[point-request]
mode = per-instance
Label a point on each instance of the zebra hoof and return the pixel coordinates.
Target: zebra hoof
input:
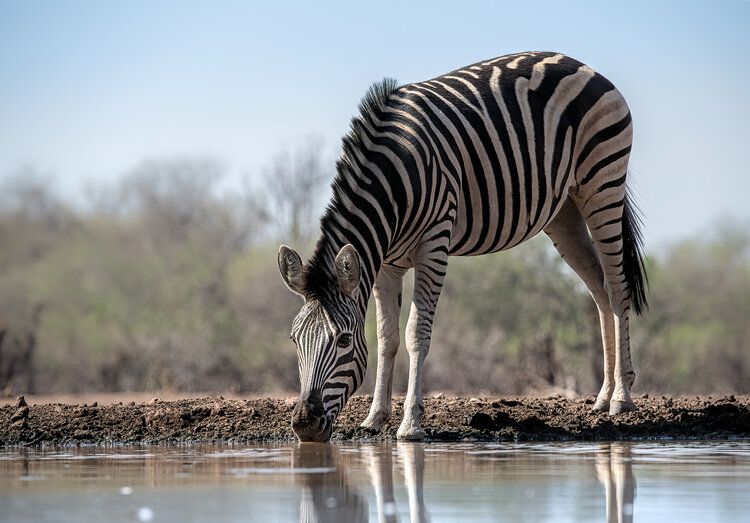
(601, 405)
(410, 434)
(618, 407)
(376, 420)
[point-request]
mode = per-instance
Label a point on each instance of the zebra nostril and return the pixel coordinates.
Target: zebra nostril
(305, 414)
(311, 429)
(298, 413)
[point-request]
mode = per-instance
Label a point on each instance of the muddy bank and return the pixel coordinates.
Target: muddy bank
(445, 419)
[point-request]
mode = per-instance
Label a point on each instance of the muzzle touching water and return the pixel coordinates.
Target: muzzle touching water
(309, 421)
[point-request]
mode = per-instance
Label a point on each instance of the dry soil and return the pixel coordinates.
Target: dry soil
(445, 419)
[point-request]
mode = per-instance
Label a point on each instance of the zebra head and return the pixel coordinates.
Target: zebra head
(329, 335)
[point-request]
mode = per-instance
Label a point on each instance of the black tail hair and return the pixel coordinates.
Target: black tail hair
(633, 268)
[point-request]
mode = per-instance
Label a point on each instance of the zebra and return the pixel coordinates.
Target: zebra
(472, 162)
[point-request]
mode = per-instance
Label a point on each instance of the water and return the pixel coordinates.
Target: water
(640, 482)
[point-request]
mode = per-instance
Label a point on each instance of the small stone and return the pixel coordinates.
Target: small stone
(154, 401)
(21, 402)
(20, 414)
(20, 424)
(732, 398)
(480, 420)
(644, 395)
(82, 434)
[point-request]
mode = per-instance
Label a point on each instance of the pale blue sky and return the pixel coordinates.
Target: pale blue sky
(89, 89)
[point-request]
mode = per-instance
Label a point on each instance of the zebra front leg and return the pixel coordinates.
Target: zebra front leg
(428, 281)
(387, 291)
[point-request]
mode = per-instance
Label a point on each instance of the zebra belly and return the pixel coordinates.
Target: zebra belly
(501, 220)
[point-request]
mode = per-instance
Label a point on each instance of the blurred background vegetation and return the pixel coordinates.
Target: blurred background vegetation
(168, 281)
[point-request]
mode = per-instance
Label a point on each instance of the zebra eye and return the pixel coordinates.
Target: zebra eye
(344, 340)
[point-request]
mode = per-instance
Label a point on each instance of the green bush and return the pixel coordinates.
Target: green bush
(169, 283)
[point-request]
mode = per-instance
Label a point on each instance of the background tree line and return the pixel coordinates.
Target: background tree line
(168, 280)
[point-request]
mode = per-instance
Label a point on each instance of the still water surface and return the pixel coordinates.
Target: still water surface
(611, 482)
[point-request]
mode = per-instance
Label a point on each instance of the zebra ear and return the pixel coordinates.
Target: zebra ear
(348, 269)
(290, 267)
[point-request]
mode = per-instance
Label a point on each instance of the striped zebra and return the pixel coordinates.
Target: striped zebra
(471, 162)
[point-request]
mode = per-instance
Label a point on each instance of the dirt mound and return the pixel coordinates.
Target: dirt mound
(445, 419)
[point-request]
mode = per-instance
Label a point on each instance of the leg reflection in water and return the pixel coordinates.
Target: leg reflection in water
(380, 464)
(412, 457)
(379, 460)
(614, 470)
(326, 492)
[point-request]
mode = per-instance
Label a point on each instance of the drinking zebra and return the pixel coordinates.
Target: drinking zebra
(471, 162)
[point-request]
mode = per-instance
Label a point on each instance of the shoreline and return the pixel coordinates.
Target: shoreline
(220, 420)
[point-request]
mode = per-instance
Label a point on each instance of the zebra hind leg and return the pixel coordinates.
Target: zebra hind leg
(605, 215)
(571, 238)
(387, 292)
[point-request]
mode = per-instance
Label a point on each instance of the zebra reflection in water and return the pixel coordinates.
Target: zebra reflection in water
(328, 495)
(326, 492)
(380, 463)
(614, 469)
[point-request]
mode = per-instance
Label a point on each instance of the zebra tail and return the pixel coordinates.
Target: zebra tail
(633, 267)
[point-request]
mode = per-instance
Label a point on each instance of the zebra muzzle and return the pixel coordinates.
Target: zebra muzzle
(309, 422)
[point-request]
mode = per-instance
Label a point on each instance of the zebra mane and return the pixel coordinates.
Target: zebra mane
(318, 275)
(372, 105)
(318, 278)
(376, 97)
